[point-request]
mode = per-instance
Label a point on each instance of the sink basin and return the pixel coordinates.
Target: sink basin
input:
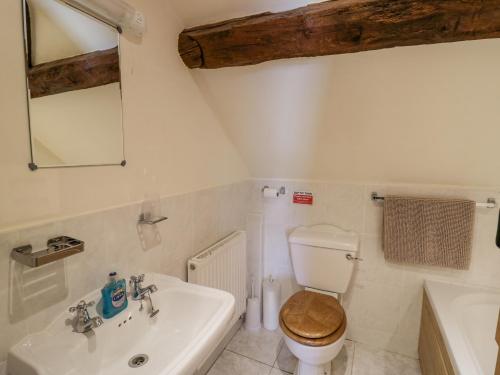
(191, 322)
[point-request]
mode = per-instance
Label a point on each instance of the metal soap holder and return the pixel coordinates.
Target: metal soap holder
(145, 219)
(57, 248)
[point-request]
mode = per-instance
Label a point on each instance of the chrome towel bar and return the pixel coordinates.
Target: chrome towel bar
(490, 202)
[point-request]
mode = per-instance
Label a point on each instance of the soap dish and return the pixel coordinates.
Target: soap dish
(57, 248)
(143, 219)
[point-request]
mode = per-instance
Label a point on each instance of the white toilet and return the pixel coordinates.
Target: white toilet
(313, 321)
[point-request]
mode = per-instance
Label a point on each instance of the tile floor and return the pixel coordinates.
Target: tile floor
(265, 353)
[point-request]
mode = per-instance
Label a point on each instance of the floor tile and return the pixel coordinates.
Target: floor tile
(341, 365)
(277, 371)
(372, 361)
(230, 363)
(286, 360)
(262, 345)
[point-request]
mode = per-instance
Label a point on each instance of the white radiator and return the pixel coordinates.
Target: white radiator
(223, 266)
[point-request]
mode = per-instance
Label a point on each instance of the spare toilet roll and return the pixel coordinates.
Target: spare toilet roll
(252, 320)
(272, 297)
(270, 193)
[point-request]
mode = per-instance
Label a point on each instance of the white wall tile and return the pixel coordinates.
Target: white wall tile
(205, 224)
(344, 206)
(112, 243)
(384, 299)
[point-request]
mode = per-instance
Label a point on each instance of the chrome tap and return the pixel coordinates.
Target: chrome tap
(138, 293)
(82, 322)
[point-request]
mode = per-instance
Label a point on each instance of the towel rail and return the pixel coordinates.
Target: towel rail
(490, 202)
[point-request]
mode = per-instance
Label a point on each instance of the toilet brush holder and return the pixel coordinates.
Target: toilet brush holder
(252, 321)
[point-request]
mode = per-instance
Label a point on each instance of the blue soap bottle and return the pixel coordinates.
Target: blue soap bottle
(114, 296)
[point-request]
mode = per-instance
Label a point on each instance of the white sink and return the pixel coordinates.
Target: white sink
(192, 320)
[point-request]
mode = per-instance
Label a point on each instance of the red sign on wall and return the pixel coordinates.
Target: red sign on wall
(302, 197)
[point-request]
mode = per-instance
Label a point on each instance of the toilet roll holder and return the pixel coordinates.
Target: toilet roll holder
(281, 190)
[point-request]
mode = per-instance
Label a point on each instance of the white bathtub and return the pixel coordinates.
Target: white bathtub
(468, 318)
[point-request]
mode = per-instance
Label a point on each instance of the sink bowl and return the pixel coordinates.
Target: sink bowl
(191, 322)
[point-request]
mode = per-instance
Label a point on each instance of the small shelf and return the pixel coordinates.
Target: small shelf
(152, 220)
(57, 248)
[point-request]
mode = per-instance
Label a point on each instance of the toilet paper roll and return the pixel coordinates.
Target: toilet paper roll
(252, 321)
(270, 193)
(272, 297)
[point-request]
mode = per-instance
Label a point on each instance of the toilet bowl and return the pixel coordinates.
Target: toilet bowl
(313, 321)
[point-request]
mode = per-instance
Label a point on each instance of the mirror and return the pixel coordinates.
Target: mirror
(73, 87)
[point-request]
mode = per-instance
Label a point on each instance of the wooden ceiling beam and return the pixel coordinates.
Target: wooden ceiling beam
(75, 73)
(337, 27)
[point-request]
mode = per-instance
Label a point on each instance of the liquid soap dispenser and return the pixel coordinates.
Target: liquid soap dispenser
(114, 296)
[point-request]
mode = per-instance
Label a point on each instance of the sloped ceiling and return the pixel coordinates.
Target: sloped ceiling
(196, 12)
(425, 114)
(59, 31)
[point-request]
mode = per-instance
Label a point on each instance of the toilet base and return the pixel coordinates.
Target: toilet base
(315, 360)
(307, 369)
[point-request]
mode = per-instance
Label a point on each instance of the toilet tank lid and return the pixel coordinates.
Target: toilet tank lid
(326, 236)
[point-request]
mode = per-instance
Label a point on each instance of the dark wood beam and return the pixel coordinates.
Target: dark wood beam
(75, 73)
(337, 27)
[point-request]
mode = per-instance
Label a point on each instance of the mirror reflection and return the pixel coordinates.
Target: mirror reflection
(74, 90)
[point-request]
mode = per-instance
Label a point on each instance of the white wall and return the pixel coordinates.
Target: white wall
(174, 146)
(195, 12)
(425, 114)
(415, 120)
(173, 141)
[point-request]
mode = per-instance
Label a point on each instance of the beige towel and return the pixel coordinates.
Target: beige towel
(429, 231)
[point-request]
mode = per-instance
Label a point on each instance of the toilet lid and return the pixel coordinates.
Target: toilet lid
(312, 315)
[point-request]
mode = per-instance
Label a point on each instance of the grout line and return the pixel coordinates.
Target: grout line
(280, 346)
(385, 350)
(252, 359)
(224, 349)
(353, 356)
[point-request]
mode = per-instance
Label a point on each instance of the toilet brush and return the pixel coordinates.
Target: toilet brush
(252, 321)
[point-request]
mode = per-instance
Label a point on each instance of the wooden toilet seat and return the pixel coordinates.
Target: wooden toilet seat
(313, 319)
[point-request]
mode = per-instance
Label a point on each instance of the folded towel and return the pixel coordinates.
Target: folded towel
(429, 231)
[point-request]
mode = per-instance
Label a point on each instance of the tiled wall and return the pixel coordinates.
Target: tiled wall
(384, 300)
(112, 243)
